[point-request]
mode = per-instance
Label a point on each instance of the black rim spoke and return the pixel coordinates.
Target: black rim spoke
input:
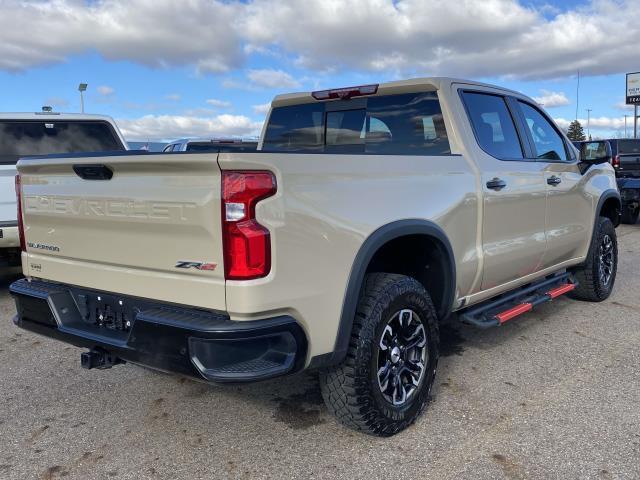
(384, 374)
(606, 260)
(402, 356)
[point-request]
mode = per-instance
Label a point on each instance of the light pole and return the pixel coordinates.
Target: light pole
(578, 95)
(625, 126)
(588, 122)
(82, 88)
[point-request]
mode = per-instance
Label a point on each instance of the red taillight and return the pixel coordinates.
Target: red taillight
(23, 245)
(616, 161)
(345, 93)
(247, 244)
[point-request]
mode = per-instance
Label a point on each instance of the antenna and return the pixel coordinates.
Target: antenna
(578, 95)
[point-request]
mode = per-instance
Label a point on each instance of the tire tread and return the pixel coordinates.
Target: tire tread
(589, 287)
(346, 388)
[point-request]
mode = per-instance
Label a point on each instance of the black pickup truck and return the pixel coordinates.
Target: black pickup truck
(624, 155)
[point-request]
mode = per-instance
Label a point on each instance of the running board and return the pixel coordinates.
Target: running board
(500, 310)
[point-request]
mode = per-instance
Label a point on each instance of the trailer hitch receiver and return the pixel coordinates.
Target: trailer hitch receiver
(99, 358)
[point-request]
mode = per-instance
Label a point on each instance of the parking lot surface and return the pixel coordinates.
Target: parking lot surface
(555, 394)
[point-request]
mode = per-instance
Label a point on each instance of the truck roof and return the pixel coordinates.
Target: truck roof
(54, 116)
(400, 86)
(215, 140)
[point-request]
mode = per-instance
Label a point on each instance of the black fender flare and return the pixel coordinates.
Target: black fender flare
(606, 195)
(368, 249)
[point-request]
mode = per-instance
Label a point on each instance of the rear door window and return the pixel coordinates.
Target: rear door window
(409, 124)
(493, 125)
(405, 124)
(24, 138)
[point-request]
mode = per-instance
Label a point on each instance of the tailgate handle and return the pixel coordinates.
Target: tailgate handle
(93, 172)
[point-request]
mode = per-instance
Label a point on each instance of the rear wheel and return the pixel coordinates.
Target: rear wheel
(598, 275)
(385, 381)
(630, 215)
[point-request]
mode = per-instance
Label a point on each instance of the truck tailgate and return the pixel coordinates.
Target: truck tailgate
(153, 230)
(629, 164)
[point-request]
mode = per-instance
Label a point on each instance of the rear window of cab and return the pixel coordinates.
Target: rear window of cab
(21, 138)
(404, 124)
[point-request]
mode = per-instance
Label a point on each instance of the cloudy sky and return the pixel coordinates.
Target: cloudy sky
(166, 69)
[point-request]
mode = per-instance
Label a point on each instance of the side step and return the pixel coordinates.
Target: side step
(500, 310)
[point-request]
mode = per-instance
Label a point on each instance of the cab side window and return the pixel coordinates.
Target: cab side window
(493, 125)
(548, 143)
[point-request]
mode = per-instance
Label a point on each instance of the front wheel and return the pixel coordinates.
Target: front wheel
(385, 381)
(598, 274)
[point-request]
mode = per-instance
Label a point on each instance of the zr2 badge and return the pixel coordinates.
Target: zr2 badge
(197, 265)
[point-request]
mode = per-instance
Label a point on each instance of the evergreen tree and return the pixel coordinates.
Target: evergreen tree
(576, 132)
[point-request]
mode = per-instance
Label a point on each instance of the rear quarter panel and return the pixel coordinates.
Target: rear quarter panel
(325, 208)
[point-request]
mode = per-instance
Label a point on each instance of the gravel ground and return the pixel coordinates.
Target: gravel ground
(555, 394)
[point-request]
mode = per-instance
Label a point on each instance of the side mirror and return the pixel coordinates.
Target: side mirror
(595, 153)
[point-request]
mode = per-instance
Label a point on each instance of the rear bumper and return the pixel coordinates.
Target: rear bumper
(183, 340)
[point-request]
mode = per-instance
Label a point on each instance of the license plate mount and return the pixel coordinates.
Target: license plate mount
(105, 311)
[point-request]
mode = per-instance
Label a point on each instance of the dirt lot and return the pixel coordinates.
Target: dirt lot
(555, 394)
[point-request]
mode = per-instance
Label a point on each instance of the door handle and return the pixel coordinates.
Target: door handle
(553, 180)
(496, 184)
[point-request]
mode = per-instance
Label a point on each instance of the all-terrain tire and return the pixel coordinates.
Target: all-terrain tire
(592, 286)
(352, 390)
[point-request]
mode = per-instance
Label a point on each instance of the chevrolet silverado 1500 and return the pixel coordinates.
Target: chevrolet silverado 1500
(367, 216)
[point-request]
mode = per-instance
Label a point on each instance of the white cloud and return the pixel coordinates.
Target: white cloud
(214, 102)
(174, 97)
(623, 106)
(269, 78)
(463, 38)
(156, 33)
(395, 37)
(552, 99)
(599, 125)
(261, 109)
(105, 90)
(170, 127)
(56, 102)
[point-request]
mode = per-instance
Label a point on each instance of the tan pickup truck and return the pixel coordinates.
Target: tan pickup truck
(367, 216)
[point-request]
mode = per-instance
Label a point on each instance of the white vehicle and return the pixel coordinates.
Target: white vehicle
(211, 144)
(42, 133)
